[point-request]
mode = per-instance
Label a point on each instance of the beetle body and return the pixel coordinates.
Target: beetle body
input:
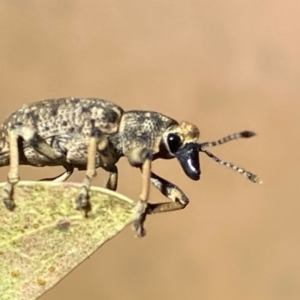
(58, 132)
(64, 124)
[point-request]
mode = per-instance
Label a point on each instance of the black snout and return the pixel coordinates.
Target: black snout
(188, 157)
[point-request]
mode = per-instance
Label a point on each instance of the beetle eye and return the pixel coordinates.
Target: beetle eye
(174, 142)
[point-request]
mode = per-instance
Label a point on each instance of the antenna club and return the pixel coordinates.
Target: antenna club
(247, 134)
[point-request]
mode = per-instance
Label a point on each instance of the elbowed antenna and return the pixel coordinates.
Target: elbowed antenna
(243, 134)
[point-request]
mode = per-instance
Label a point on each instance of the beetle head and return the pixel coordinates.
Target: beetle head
(181, 142)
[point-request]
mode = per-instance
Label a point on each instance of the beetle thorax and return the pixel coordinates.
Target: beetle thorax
(141, 129)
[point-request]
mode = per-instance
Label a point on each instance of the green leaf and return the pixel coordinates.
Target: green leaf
(45, 238)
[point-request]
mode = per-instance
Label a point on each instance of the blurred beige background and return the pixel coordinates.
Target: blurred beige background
(224, 65)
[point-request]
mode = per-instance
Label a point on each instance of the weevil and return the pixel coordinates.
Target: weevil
(89, 133)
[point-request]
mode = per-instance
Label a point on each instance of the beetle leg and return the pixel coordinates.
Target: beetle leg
(29, 135)
(142, 157)
(82, 201)
(97, 142)
(62, 177)
(168, 189)
(146, 171)
(112, 182)
(171, 191)
(13, 174)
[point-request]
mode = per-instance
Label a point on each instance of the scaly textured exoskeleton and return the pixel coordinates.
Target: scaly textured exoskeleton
(87, 134)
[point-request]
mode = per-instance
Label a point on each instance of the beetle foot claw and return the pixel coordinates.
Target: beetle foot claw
(7, 197)
(138, 226)
(82, 200)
